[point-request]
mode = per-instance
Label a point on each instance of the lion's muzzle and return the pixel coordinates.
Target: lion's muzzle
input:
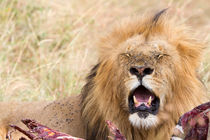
(142, 100)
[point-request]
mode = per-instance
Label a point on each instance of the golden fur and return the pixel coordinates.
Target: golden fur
(105, 95)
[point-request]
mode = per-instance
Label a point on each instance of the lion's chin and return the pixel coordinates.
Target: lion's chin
(145, 123)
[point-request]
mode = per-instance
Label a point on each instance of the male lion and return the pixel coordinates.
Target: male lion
(144, 80)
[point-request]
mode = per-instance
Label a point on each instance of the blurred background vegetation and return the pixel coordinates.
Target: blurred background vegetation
(48, 46)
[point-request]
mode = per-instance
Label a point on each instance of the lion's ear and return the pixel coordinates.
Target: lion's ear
(191, 52)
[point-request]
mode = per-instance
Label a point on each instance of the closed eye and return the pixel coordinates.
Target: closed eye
(160, 56)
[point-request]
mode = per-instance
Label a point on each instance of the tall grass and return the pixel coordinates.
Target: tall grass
(47, 47)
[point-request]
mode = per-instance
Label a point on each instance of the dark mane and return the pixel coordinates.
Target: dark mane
(92, 133)
(89, 82)
(158, 15)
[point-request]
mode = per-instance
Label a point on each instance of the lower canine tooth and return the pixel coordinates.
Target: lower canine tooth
(135, 101)
(149, 101)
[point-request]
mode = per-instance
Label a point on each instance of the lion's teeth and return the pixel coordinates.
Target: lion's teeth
(149, 101)
(135, 100)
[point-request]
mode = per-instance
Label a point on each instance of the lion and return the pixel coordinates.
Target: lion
(145, 79)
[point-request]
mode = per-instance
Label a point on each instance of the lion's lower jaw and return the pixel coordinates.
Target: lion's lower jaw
(148, 122)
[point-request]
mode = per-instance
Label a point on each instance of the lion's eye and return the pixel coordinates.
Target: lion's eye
(124, 58)
(159, 56)
(128, 55)
(125, 55)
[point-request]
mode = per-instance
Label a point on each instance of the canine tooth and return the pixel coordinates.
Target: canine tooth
(149, 101)
(135, 101)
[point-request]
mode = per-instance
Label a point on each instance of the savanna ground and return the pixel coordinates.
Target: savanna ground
(48, 46)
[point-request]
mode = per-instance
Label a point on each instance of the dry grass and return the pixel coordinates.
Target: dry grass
(47, 47)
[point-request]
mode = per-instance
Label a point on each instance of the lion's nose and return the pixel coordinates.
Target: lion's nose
(141, 71)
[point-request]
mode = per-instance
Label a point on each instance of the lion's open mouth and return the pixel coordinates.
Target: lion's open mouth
(143, 101)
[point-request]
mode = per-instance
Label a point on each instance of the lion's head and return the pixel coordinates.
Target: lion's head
(145, 79)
